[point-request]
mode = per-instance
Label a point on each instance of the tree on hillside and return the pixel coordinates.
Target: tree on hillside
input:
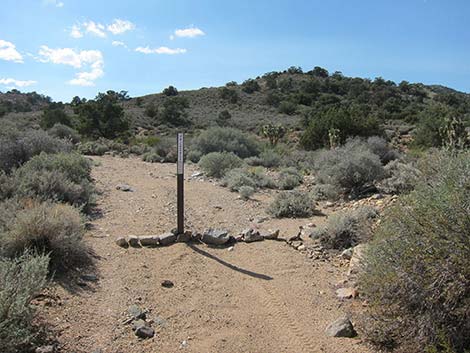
(319, 72)
(170, 91)
(103, 116)
(54, 114)
(224, 117)
(174, 112)
(250, 86)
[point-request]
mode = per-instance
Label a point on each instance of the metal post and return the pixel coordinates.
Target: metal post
(180, 183)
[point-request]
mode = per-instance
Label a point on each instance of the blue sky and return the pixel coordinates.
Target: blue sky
(64, 48)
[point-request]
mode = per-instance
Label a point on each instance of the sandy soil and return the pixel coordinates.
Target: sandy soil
(260, 297)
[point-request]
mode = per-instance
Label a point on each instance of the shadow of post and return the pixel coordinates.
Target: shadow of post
(230, 266)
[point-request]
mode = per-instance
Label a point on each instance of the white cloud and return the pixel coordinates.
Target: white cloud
(190, 32)
(8, 52)
(17, 83)
(96, 29)
(90, 59)
(120, 26)
(117, 43)
(55, 3)
(160, 50)
(75, 32)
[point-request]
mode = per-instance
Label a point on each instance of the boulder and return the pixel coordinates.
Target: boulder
(346, 293)
(133, 241)
(342, 327)
(271, 234)
(122, 242)
(252, 236)
(215, 237)
(167, 239)
(145, 332)
(356, 259)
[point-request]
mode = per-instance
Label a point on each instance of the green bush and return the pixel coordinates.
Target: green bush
(380, 147)
(54, 114)
(64, 132)
(289, 178)
(48, 228)
(350, 168)
(346, 229)
(252, 177)
(20, 280)
(246, 192)
(217, 164)
(164, 150)
(416, 274)
(287, 107)
(7, 186)
(292, 204)
(250, 86)
(219, 139)
(322, 192)
(268, 159)
(61, 177)
(400, 178)
(93, 148)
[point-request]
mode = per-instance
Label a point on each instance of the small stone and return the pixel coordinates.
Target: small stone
(347, 254)
(167, 283)
(197, 174)
(136, 312)
(301, 247)
(45, 349)
(145, 332)
(138, 324)
(217, 207)
(342, 327)
(346, 293)
(271, 234)
(296, 244)
(230, 248)
(159, 321)
(215, 237)
(133, 241)
(377, 196)
(167, 239)
(329, 204)
(261, 219)
(150, 240)
(184, 344)
(124, 187)
(252, 236)
(122, 242)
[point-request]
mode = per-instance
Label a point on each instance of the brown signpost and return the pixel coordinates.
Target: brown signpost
(180, 183)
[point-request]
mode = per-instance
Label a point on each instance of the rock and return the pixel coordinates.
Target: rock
(124, 187)
(149, 240)
(138, 324)
(122, 242)
(346, 293)
(356, 259)
(342, 327)
(329, 204)
(301, 247)
(184, 344)
(271, 234)
(197, 175)
(347, 254)
(377, 197)
(230, 248)
(167, 283)
(145, 332)
(215, 237)
(261, 219)
(185, 237)
(167, 239)
(89, 278)
(159, 321)
(133, 241)
(296, 244)
(252, 236)
(217, 207)
(45, 349)
(136, 312)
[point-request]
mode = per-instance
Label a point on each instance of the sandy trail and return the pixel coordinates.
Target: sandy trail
(260, 297)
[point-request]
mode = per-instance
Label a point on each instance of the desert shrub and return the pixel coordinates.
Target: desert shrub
(400, 178)
(217, 164)
(8, 211)
(416, 274)
(164, 150)
(252, 177)
(246, 192)
(139, 149)
(64, 132)
(92, 148)
(219, 139)
(54, 229)
(7, 186)
(250, 86)
(194, 156)
(287, 107)
(16, 148)
(20, 280)
(346, 229)
(229, 94)
(380, 147)
(292, 204)
(289, 178)
(268, 159)
(301, 160)
(351, 168)
(61, 177)
(170, 91)
(54, 114)
(322, 192)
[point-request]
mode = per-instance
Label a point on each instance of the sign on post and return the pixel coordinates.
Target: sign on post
(180, 183)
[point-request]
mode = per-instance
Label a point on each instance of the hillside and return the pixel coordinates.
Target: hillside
(291, 98)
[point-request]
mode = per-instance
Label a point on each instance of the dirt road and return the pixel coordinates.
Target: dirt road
(260, 297)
